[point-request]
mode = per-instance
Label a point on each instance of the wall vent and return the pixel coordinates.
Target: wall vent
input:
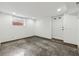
(77, 3)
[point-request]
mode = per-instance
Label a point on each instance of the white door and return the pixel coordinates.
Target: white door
(57, 28)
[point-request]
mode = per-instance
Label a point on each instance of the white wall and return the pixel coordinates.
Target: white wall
(40, 27)
(9, 32)
(78, 31)
(43, 27)
(70, 29)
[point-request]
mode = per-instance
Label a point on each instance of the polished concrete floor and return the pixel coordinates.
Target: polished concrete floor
(36, 46)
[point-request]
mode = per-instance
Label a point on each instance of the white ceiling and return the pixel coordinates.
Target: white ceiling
(35, 9)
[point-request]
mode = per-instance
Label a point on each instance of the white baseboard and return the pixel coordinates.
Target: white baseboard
(43, 36)
(58, 37)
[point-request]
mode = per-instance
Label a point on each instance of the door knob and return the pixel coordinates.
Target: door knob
(62, 28)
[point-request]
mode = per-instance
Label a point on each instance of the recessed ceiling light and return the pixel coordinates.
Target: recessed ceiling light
(14, 13)
(59, 9)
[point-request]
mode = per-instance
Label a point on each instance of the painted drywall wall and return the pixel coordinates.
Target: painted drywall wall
(70, 29)
(9, 32)
(78, 31)
(43, 27)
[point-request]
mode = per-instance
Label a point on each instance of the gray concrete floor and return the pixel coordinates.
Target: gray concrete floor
(36, 47)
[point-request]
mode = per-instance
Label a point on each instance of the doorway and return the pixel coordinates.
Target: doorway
(57, 27)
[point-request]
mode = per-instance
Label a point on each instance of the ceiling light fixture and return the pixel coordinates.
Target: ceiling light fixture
(59, 9)
(14, 13)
